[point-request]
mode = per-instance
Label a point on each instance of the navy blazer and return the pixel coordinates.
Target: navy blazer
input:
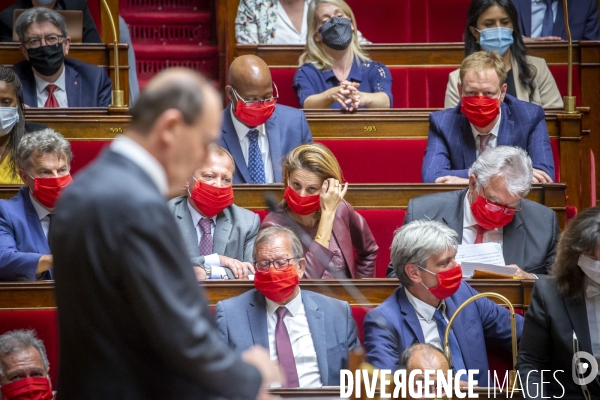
(451, 145)
(87, 85)
(393, 326)
(242, 322)
(583, 19)
(286, 129)
(22, 239)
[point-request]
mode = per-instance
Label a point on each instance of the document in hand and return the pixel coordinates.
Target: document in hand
(483, 261)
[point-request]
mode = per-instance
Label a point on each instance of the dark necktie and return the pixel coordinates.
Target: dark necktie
(457, 359)
(284, 350)
(484, 140)
(480, 231)
(548, 24)
(206, 242)
(51, 101)
(255, 161)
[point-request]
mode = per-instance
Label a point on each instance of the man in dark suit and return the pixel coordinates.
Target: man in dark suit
(485, 118)
(43, 158)
(90, 33)
(528, 238)
(308, 333)
(432, 290)
(539, 22)
(133, 322)
(50, 80)
(219, 236)
(257, 131)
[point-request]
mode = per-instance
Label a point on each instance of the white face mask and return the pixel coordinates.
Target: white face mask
(9, 116)
(590, 267)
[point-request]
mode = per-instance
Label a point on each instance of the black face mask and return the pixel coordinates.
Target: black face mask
(337, 33)
(47, 59)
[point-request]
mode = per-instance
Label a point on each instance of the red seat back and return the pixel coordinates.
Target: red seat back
(44, 323)
(560, 74)
(419, 87)
(284, 79)
(96, 11)
(555, 144)
(359, 313)
(84, 152)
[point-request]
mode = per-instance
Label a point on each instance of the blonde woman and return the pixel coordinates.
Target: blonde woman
(335, 72)
(342, 244)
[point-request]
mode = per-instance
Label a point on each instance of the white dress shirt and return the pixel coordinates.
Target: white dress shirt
(592, 305)
(302, 344)
(42, 213)
(60, 93)
(538, 10)
(469, 231)
(494, 132)
(285, 32)
(263, 143)
(211, 259)
(132, 150)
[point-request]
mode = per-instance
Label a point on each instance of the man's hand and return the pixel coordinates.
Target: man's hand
(542, 39)
(44, 264)
(269, 370)
(239, 268)
(452, 180)
(520, 273)
(200, 273)
(540, 176)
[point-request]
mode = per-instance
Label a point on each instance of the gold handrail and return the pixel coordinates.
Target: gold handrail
(569, 100)
(118, 97)
(513, 329)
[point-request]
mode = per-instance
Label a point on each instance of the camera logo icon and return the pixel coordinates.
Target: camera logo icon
(584, 364)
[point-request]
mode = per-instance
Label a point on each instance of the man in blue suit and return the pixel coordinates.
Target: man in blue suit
(419, 310)
(308, 333)
(44, 158)
(540, 23)
(257, 131)
(486, 117)
(50, 80)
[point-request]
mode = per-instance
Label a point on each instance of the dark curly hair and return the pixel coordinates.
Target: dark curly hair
(581, 236)
(7, 75)
(518, 50)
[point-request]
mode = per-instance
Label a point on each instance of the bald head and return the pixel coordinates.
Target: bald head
(250, 77)
(424, 356)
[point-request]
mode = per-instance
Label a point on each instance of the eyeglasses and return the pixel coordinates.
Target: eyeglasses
(279, 265)
(499, 207)
(50, 40)
(258, 103)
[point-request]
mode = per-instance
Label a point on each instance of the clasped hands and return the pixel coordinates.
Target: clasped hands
(347, 95)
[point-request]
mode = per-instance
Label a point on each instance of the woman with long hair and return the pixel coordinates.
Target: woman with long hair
(493, 25)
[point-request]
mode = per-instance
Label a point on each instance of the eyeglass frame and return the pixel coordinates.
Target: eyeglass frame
(494, 207)
(251, 103)
(27, 43)
(272, 263)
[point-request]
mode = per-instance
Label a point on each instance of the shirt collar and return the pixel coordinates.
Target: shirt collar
(495, 128)
(423, 309)
(355, 75)
(293, 306)
(196, 216)
(242, 130)
(41, 84)
(39, 209)
(132, 150)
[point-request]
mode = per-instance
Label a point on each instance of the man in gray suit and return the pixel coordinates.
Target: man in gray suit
(219, 236)
(493, 209)
(308, 333)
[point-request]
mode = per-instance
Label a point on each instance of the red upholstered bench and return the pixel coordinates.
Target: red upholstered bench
(284, 79)
(44, 323)
(84, 152)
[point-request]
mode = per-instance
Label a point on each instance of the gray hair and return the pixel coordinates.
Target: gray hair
(265, 235)
(42, 142)
(38, 15)
(428, 351)
(19, 340)
(415, 242)
(511, 163)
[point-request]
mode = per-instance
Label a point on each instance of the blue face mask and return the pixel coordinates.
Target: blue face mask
(9, 116)
(496, 39)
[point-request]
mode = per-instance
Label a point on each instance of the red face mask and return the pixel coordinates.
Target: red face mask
(448, 282)
(28, 389)
(211, 200)
(276, 285)
(47, 190)
(480, 110)
(257, 113)
(489, 219)
(302, 205)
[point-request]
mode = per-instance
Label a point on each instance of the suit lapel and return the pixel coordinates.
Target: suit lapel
(469, 153)
(73, 87)
(454, 218)
(29, 87)
(257, 318)
(411, 321)
(505, 133)
(513, 242)
(274, 146)
(232, 142)
(184, 219)
(316, 324)
(33, 221)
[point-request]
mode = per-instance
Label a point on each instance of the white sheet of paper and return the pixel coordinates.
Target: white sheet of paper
(485, 253)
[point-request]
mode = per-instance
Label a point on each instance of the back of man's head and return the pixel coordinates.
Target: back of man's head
(481, 61)
(424, 356)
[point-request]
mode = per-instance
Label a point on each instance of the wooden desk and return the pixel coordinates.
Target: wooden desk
(101, 55)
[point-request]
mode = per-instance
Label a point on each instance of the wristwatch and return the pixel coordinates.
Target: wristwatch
(208, 270)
